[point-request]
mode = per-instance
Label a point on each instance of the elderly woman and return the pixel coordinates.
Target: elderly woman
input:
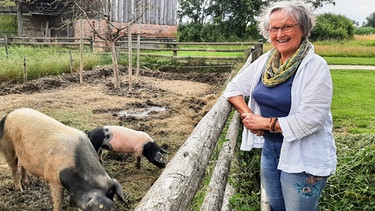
(288, 113)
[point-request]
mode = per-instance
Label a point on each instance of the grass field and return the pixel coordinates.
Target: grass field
(353, 101)
(43, 61)
(360, 51)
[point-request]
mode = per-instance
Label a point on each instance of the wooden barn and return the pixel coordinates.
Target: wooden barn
(59, 18)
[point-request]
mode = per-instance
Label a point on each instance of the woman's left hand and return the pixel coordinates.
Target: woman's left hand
(255, 123)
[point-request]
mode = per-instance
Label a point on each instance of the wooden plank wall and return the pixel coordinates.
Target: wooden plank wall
(163, 12)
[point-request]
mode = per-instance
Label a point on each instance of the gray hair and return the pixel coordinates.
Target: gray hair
(296, 9)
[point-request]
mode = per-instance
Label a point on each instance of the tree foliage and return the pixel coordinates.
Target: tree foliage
(203, 20)
(332, 27)
(7, 3)
(8, 23)
(219, 20)
(371, 20)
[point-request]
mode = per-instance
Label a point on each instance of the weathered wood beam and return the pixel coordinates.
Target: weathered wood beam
(216, 187)
(177, 185)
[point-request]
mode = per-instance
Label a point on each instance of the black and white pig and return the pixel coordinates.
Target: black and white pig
(61, 155)
(125, 140)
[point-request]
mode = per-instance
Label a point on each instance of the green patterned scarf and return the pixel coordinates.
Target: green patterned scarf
(276, 73)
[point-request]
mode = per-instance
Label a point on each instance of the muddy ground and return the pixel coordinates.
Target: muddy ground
(165, 105)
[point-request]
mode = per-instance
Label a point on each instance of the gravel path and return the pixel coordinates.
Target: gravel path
(351, 67)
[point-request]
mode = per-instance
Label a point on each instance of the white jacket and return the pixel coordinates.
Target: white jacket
(308, 144)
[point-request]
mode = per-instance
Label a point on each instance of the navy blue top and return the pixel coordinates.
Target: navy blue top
(274, 102)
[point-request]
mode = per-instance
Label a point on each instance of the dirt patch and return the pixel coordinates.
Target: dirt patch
(166, 105)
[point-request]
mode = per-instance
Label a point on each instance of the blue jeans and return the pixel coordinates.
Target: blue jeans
(288, 191)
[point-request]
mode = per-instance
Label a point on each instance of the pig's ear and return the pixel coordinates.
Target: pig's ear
(118, 190)
(160, 149)
(163, 151)
(107, 145)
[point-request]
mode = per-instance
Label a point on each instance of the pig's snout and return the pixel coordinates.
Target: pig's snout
(160, 160)
(155, 154)
(99, 202)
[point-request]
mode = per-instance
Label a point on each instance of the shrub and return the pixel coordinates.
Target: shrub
(8, 24)
(332, 27)
(197, 32)
(189, 32)
(364, 31)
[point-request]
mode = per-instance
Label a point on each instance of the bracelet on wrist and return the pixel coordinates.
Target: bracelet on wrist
(273, 121)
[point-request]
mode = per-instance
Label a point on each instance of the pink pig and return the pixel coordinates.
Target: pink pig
(125, 140)
(60, 155)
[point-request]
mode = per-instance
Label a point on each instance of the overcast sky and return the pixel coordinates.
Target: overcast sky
(356, 10)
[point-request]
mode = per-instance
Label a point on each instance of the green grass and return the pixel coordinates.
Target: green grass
(353, 105)
(350, 60)
(41, 61)
(352, 186)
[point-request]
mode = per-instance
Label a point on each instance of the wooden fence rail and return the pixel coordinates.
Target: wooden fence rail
(217, 186)
(177, 185)
(149, 48)
(180, 180)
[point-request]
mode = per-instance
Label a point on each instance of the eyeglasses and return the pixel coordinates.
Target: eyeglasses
(286, 29)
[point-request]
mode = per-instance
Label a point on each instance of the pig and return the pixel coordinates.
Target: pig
(60, 155)
(125, 140)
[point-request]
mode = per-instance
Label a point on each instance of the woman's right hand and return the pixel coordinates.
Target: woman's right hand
(254, 123)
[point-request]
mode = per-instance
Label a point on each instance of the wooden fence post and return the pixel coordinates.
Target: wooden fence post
(92, 40)
(71, 62)
(81, 53)
(130, 69)
(24, 69)
(6, 45)
(174, 49)
(138, 40)
(174, 46)
(138, 53)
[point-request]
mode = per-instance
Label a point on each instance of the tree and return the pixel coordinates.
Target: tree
(319, 3)
(371, 20)
(193, 11)
(233, 16)
(332, 27)
(205, 20)
(229, 19)
(111, 33)
(7, 3)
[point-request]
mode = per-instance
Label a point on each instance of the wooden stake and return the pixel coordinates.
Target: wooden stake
(81, 53)
(130, 58)
(71, 62)
(24, 69)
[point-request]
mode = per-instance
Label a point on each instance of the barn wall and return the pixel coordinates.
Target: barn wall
(162, 12)
(147, 30)
(158, 18)
(35, 26)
